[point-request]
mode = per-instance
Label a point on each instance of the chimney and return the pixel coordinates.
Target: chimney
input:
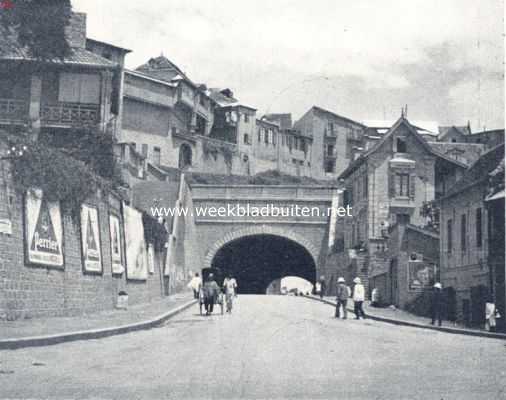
(76, 30)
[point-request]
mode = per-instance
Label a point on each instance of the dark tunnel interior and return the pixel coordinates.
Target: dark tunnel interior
(255, 261)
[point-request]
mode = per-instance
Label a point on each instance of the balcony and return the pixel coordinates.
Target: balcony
(69, 114)
(13, 111)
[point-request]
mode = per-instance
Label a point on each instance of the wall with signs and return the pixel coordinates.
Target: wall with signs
(53, 265)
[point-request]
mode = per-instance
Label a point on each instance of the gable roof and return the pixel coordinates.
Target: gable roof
(333, 114)
(161, 68)
(479, 171)
(444, 130)
(401, 121)
(10, 50)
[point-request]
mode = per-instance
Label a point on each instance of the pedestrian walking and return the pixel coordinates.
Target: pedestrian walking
(358, 298)
(229, 288)
(491, 314)
(195, 284)
(341, 298)
(437, 303)
(211, 293)
(320, 287)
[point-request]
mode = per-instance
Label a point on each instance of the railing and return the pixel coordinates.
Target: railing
(70, 113)
(13, 110)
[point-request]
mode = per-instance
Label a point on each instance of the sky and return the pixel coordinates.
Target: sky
(365, 60)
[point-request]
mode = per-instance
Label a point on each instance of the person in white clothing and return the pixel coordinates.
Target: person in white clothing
(491, 314)
(195, 284)
(358, 298)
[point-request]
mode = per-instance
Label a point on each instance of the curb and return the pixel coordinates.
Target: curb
(34, 341)
(447, 329)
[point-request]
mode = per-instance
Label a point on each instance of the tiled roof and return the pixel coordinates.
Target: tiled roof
(443, 130)
(478, 172)
(10, 50)
(324, 111)
(363, 157)
(162, 68)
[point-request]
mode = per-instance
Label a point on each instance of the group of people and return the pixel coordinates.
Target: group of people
(344, 292)
(211, 290)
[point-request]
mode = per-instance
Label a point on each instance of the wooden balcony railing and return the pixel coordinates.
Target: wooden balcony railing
(69, 114)
(13, 110)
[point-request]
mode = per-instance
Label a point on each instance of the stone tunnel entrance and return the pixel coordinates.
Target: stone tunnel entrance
(255, 261)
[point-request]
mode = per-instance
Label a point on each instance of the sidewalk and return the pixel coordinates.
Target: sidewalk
(401, 317)
(50, 330)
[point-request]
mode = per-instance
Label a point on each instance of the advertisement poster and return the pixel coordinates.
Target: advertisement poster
(420, 275)
(90, 239)
(136, 254)
(116, 249)
(43, 230)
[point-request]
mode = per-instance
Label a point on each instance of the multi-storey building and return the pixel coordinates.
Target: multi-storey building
(52, 96)
(472, 239)
(388, 183)
(336, 141)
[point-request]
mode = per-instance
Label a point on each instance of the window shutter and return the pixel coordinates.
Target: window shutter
(90, 89)
(69, 88)
(412, 186)
(391, 184)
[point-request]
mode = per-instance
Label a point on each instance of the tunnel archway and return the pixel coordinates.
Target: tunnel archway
(257, 260)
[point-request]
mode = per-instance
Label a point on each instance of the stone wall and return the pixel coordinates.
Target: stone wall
(28, 291)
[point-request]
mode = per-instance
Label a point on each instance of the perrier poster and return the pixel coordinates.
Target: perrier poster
(90, 239)
(43, 230)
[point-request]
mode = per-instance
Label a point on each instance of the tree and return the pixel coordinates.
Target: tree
(39, 26)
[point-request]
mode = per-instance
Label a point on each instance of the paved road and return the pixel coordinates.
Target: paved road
(271, 347)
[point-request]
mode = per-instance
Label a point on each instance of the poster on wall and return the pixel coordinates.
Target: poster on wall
(43, 231)
(90, 239)
(420, 275)
(151, 259)
(116, 249)
(136, 254)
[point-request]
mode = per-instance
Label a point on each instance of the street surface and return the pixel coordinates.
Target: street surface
(271, 347)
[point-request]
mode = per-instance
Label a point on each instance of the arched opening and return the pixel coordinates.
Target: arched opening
(185, 156)
(258, 260)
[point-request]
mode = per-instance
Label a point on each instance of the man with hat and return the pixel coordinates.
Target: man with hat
(358, 298)
(341, 297)
(437, 303)
(211, 293)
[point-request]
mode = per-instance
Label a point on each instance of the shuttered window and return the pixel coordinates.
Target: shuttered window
(463, 232)
(449, 235)
(79, 88)
(479, 232)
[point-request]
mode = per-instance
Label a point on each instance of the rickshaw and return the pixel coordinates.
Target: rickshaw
(218, 277)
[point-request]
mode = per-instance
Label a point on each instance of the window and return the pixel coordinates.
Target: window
(402, 185)
(246, 118)
(329, 166)
(401, 145)
(270, 137)
(79, 88)
(144, 150)
(449, 235)
(479, 231)
(259, 135)
(330, 150)
(463, 232)
(274, 138)
(266, 137)
(246, 139)
(157, 155)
